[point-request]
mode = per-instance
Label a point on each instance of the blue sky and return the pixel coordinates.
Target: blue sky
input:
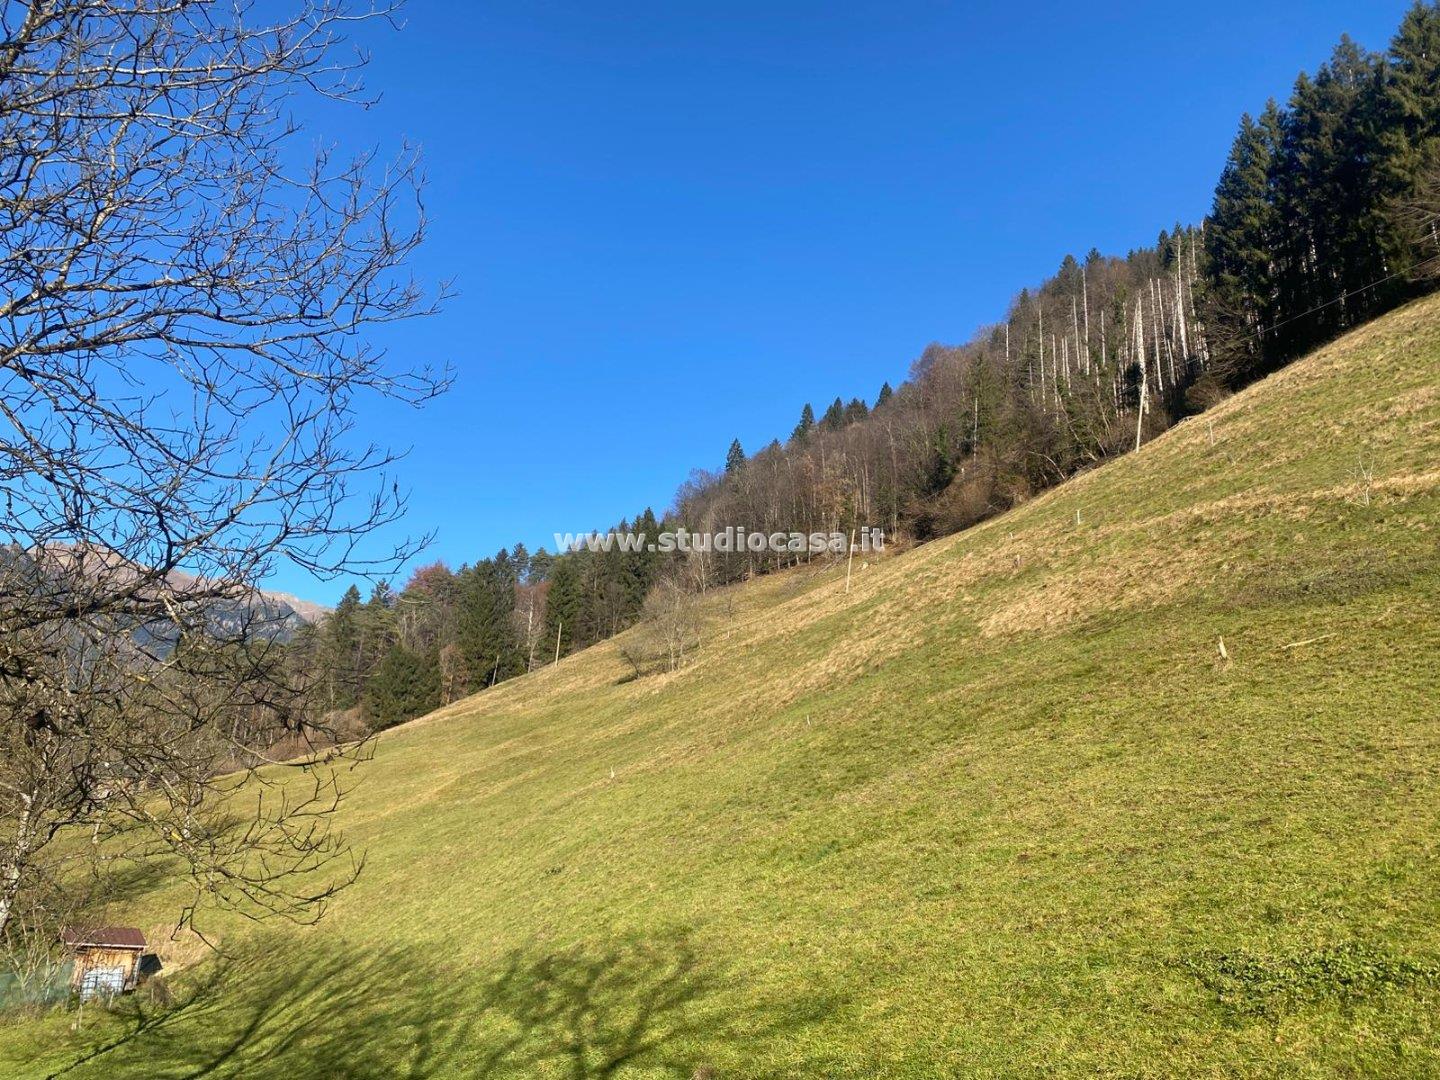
(673, 223)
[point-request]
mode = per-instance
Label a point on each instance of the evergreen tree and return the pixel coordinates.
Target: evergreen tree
(1408, 139)
(834, 416)
(404, 686)
(1242, 233)
(735, 459)
(349, 602)
(1330, 249)
(607, 594)
(342, 651)
(505, 570)
(563, 605)
(520, 560)
(1067, 280)
(986, 394)
(375, 621)
(485, 630)
(646, 563)
(540, 565)
(885, 395)
(805, 426)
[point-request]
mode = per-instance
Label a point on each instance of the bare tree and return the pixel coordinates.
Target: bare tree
(1417, 218)
(671, 610)
(185, 321)
(529, 619)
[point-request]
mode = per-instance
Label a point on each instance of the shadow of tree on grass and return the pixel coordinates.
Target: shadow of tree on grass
(329, 1009)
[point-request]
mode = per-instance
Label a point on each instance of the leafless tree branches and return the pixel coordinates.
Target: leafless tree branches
(186, 304)
(1418, 218)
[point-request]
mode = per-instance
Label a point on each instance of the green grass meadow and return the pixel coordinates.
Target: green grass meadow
(1002, 809)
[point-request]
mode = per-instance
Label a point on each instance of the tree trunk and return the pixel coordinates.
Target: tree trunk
(1140, 352)
(10, 870)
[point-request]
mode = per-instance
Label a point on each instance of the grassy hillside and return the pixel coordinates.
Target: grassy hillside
(1003, 809)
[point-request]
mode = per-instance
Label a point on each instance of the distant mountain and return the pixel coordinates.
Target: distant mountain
(308, 610)
(264, 613)
(273, 615)
(276, 615)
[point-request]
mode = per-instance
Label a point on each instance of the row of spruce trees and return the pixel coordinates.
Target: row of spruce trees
(1310, 231)
(1318, 223)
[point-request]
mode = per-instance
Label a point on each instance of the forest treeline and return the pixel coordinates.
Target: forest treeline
(1324, 216)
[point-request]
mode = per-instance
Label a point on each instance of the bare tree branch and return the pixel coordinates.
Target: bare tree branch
(185, 321)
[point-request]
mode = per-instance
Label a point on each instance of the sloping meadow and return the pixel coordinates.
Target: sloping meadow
(1142, 778)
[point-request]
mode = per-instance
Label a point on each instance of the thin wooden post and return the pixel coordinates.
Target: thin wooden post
(851, 563)
(560, 626)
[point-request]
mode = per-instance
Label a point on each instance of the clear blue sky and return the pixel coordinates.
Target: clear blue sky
(673, 223)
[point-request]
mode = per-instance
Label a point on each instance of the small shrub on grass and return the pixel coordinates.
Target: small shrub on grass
(1204, 393)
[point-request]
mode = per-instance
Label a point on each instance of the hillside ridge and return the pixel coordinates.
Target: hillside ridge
(1005, 808)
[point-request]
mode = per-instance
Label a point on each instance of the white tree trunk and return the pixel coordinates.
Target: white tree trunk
(1042, 353)
(10, 870)
(1155, 333)
(1140, 353)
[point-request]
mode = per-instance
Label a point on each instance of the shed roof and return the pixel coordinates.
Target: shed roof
(104, 937)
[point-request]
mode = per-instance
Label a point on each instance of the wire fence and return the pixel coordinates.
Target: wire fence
(48, 989)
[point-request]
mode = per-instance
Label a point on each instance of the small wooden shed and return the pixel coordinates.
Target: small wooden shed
(107, 959)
